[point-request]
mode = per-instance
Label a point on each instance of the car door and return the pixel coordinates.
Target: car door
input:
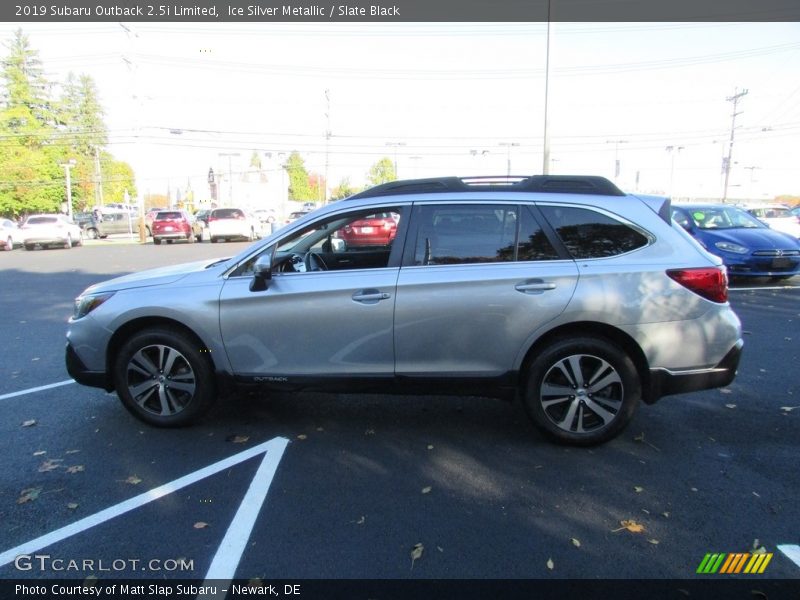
(327, 324)
(477, 282)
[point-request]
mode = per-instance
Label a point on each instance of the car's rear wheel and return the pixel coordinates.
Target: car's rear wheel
(157, 241)
(30, 246)
(91, 233)
(162, 377)
(582, 391)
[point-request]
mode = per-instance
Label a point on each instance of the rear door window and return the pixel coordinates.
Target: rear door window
(449, 234)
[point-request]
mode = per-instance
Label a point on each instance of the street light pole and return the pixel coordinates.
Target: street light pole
(67, 167)
(230, 155)
(395, 145)
(509, 145)
(616, 156)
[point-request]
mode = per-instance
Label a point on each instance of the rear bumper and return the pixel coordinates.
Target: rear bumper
(78, 371)
(664, 382)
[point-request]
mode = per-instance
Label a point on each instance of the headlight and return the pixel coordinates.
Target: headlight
(86, 304)
(731, 247)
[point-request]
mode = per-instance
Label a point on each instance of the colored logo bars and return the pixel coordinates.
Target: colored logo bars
(732, 563)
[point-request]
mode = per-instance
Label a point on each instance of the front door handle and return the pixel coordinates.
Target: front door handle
(534, 286)
(370, 296)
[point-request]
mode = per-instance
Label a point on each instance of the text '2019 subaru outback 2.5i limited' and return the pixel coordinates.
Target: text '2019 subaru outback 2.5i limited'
(564, 291)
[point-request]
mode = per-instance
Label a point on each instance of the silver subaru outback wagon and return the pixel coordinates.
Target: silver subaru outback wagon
(579, 299)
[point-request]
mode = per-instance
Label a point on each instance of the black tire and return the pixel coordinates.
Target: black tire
(91, 233)
(157, 241)
(582, 391)
(149, 363)
(213, 240)
(30, 246)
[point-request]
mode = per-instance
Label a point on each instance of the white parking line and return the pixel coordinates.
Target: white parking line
(36, 389)
(229, 553)
(792, 551)
(273, 448)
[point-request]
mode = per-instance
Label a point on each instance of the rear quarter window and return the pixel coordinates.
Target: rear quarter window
(169, 216)
(587, 233)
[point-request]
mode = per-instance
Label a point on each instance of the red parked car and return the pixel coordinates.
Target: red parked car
(374, 230)
(172, 225)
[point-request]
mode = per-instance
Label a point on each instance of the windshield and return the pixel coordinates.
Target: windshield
(723, 217)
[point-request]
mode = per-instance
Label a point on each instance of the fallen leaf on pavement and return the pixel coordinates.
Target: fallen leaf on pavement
(427, 490)
(29, 495)
(76, 469)
(72, 505)
(416, 553)
(575, 542)
(550, 564)
(200, 525)
(631, 526)
(51, 464)
(730, 406)
(638, 489)
(29, 423)
(133, 480)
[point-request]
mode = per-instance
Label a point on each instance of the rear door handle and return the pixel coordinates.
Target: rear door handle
(534, 286)
(370, 296)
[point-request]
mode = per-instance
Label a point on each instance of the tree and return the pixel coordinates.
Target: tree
(30, 178)
(26, 91)
(382, 172)
(343, 190)
(299, 186)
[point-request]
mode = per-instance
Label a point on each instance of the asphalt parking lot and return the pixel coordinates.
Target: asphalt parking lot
(324, 486)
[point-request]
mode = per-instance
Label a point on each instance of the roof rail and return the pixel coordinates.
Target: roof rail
(558, 184)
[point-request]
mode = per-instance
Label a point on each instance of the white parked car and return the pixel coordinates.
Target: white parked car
(777, 216)
(232, 223)
(10, 234)
(50, 230)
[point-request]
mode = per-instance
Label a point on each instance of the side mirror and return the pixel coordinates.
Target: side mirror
(262, 273)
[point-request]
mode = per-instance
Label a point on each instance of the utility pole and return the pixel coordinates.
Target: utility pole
(728, 161)
(546, 137)
(327, 142)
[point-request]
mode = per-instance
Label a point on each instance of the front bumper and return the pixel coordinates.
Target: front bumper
(78, 371)
(664, 382)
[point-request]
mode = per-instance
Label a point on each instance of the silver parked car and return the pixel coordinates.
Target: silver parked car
(579, 299)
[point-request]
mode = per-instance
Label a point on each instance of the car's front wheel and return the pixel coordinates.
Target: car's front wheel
(582, 391)
(162, 377)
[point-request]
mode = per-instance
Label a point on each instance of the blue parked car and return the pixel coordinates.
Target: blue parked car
(746, 246)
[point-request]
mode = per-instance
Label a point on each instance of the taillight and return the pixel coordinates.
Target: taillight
(709, 282)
